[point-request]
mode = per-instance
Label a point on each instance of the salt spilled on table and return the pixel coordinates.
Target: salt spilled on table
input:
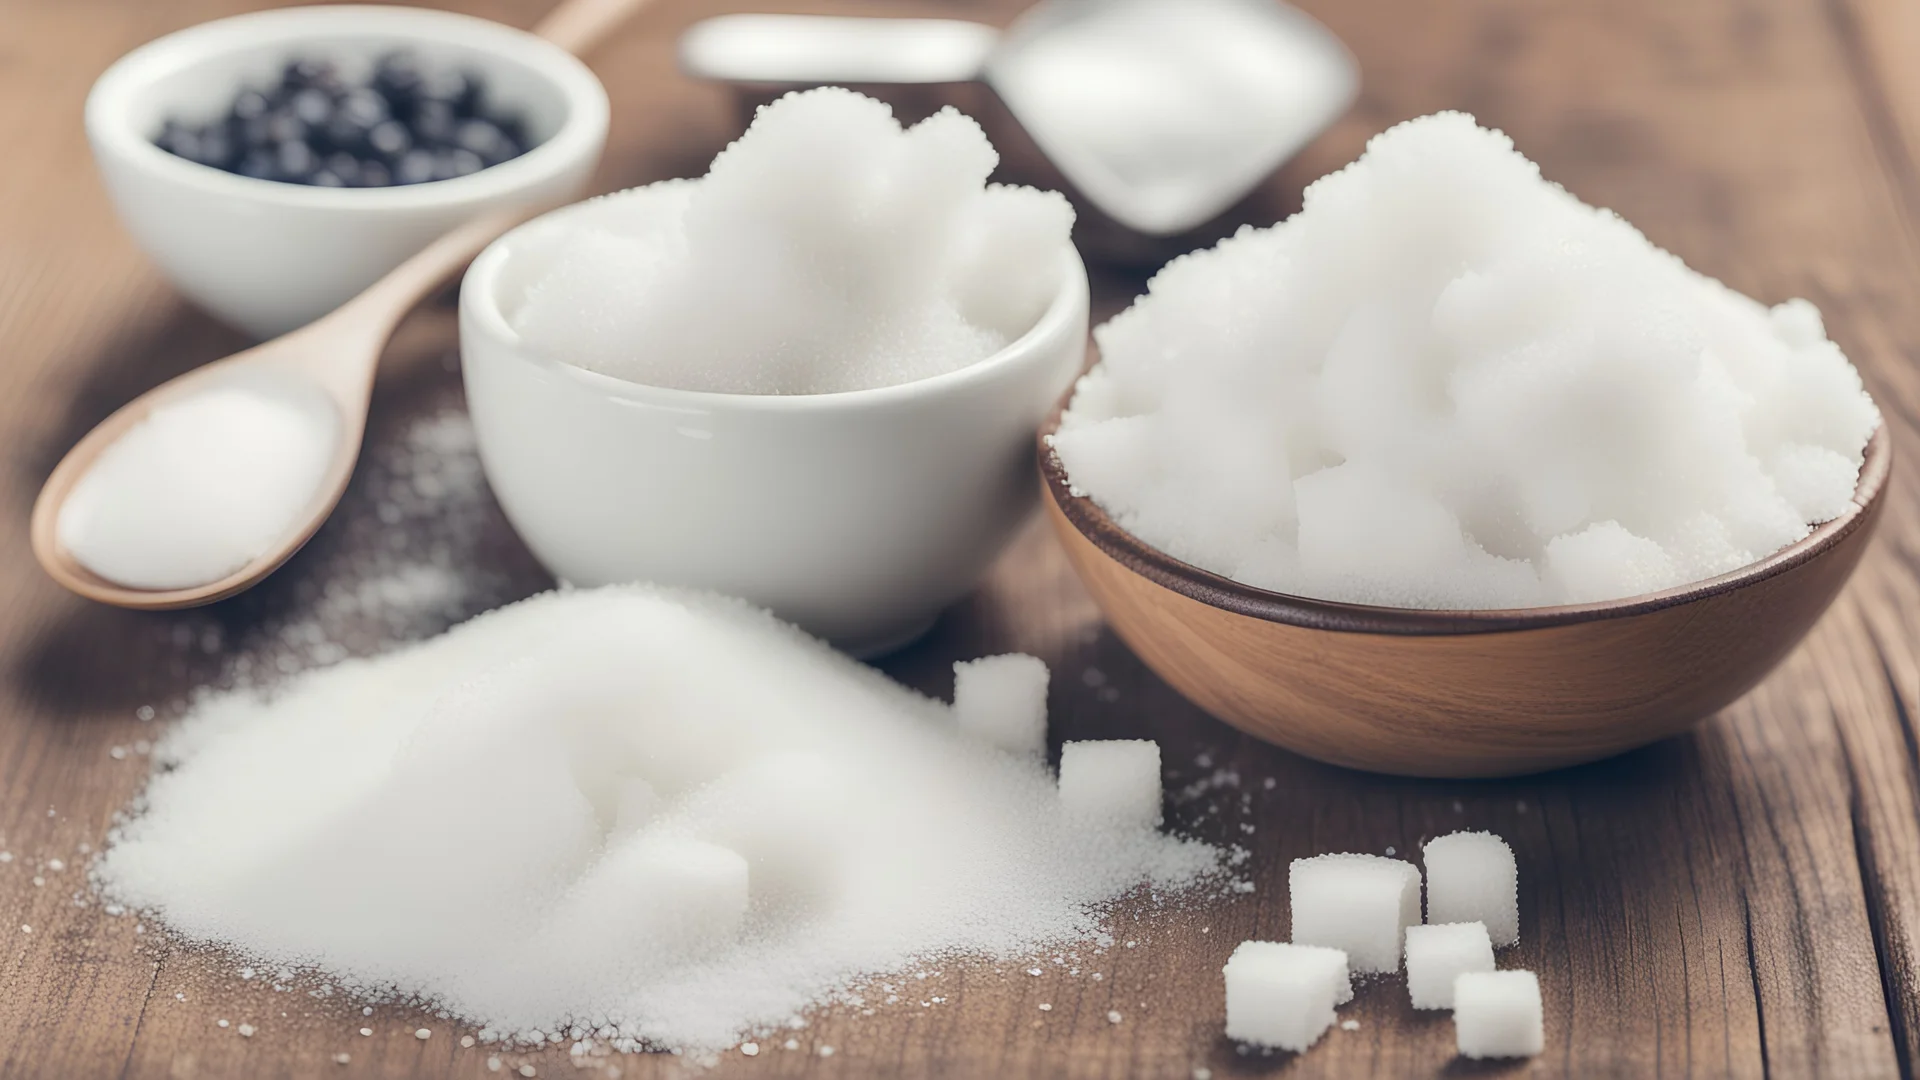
(202, 486)
(826, 250)
(1447, 383)
(577, 808)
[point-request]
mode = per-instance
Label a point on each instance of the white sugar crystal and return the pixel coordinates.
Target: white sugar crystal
(1111, 782)
(1497, 1014)
(1471, 877)
(456, 822)
(1359, 904)
(1438, 952)
(1003, 700)
(1447, 383)
(826, 250)
(1283, 995)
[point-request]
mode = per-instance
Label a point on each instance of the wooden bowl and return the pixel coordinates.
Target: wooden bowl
(1460, 693)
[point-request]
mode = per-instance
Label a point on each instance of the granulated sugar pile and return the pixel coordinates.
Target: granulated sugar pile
(826, 250)
(670, 819)
(1447, 383)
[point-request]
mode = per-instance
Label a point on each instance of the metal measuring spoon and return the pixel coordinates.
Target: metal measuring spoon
(1162, 114)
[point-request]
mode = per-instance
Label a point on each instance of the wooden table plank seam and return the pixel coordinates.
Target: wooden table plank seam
(1890, 143)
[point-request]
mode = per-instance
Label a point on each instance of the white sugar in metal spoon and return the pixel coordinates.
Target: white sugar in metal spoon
(1163, 113)
(327, 365)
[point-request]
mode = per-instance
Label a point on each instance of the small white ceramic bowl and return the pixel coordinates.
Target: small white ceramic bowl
(857, 515)
(268, 256)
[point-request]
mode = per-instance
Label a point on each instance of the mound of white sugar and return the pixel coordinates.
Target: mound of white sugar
(672, 817)
(826, 250)
(1447, 383)
(201, 486)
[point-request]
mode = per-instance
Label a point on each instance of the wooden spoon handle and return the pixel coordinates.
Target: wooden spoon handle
(579, 25)
(383, 304)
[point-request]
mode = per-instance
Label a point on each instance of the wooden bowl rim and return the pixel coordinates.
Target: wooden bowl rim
(1229, 595)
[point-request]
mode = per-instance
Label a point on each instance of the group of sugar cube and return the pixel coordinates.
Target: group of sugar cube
(1106, 783)
(1359, 914)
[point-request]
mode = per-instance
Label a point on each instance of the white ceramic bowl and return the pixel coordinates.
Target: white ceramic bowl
(857, 515)
(268, 256)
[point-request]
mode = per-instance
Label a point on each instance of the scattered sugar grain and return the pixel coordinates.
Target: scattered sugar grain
(423, 1034)
(1448, 383)
(332, 817)
(223, 1023)
(366, 1031)
(342, 1058)
(202, 485)
(1113, 1016)
(246, 1030)
(750, 1049)
(1349, 1025)
(466, 1040)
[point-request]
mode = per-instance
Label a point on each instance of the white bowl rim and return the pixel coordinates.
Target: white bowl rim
(580, 134)
(480, 310)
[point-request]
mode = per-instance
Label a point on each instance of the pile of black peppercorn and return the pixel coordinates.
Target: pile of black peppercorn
(410, 123)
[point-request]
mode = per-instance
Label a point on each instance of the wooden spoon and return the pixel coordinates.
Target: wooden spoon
(336, 354)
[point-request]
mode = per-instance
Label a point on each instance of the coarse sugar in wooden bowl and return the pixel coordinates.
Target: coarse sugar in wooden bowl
(1459, 693)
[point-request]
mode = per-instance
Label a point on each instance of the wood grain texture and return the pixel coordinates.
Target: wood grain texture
(1740, 901)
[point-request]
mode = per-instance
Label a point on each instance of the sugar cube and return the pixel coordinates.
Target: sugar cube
(1283, 995)
(1003, 700)
(1498, 1014)
(783, 813)
(660, 896)
(1471, 877)
(1114, 782)
(1438, 952)
(635, 804)
(1359, 904)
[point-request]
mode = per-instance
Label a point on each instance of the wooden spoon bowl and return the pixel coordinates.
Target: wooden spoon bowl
(1460, 693)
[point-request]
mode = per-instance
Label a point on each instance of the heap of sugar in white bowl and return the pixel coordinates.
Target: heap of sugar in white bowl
(826, 250)
(202, 485)
(1448, 383)
(576, 808)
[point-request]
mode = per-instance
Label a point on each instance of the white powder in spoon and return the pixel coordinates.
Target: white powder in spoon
(202, 486)
(672, 820)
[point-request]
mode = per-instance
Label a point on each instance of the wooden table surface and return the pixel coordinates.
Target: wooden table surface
(1740, 901)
